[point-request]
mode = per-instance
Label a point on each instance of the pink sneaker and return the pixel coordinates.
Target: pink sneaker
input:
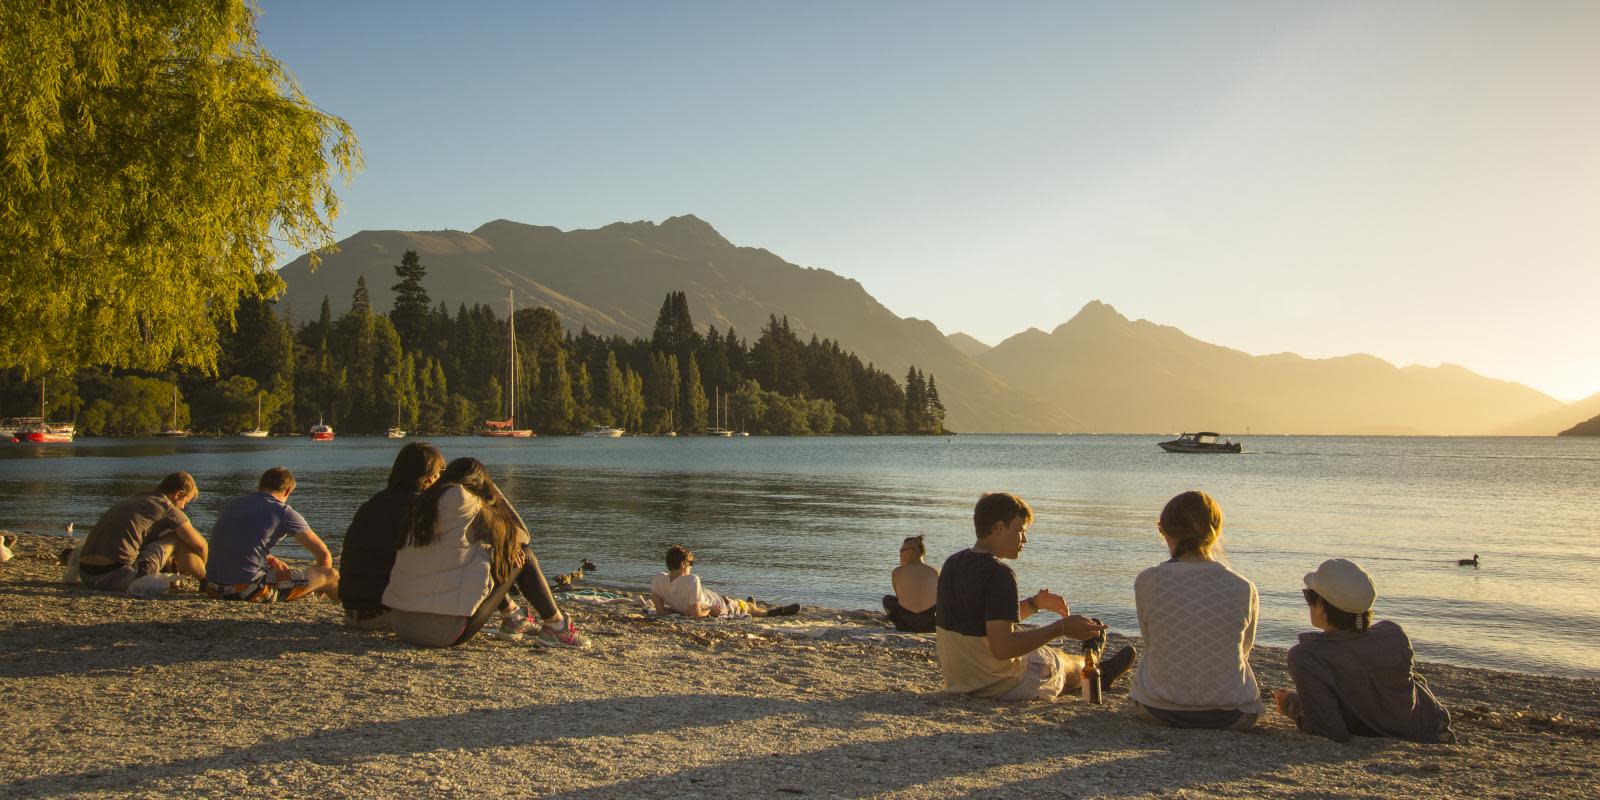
(514, 628)
(565, 635)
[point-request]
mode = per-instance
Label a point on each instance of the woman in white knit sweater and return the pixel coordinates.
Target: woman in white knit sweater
(1198, 619)
(463, 549)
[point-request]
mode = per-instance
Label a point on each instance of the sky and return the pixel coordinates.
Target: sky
(1419, 180)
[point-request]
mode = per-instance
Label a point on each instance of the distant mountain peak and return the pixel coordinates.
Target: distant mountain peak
(691, 224)
(1095, 313)
(967, 344)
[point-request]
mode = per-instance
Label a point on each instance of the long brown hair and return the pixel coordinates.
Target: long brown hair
(495, 523)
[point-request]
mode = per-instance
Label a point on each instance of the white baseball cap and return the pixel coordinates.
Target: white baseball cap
(1344, 585)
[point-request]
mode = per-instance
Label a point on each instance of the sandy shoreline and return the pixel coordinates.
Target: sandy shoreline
(183, 696)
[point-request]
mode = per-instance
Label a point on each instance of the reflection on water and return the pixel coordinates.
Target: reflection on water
(820, 520)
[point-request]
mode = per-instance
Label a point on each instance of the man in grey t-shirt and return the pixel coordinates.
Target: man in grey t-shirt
(143, 535)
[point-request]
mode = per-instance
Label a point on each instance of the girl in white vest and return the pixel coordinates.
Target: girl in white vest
(463, 548)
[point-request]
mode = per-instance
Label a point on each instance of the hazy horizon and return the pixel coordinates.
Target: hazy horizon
(1411, 182)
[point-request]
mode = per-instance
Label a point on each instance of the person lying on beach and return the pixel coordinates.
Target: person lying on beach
(242, 566)
(145, 534)
(1198, 619)
(678, 589)
(912, 607)
(981, 650)
(1353, 677)
(464, 548)
(375, 533)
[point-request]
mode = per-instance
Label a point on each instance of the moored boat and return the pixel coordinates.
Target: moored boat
(321, 432)
(1202, 442)
(604, 432)
(257, 432)
(35, 430)
(507, 428)
(396, 432)
(174, 432)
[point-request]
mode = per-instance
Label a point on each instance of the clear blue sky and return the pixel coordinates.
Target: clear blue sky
(1419, 181)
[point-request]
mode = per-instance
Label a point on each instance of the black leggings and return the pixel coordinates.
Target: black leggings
(532, 583)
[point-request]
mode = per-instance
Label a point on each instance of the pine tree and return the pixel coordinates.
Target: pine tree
(694, 400)
(935, 406)
(616, 393)
(411, 303)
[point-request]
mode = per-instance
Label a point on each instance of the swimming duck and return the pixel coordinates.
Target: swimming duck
(565, 581)
(1468, 562)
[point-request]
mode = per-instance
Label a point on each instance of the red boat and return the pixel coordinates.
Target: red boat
(34, 430)
(504, 429)
(507, 428)
(321, 433)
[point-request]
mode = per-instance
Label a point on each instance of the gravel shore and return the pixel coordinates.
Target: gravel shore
(111, 696)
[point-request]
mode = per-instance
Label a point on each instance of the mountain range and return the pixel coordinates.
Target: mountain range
(1097, 372)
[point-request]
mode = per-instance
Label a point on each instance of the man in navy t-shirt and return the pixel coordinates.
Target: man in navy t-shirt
(981, 650)
(241, 565)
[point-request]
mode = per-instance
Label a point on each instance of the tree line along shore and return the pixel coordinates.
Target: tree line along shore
(421, 368)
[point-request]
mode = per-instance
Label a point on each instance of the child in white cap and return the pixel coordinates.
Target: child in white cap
(1353, 677)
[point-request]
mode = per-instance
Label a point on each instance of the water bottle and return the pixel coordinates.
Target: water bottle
(1091, 669)
(71, 575)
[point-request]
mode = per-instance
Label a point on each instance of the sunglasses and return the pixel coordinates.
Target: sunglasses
(689, 563)
(1311, 596)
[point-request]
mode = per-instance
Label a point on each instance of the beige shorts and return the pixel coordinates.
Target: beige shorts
(1046, 677)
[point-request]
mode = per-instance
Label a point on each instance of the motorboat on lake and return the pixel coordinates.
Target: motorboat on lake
(35, 430)
(321, 432)
(604, 432)
(1202, 442)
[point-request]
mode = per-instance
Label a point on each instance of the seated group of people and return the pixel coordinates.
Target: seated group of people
(1197, 619)
(149, 534)
(435, 555)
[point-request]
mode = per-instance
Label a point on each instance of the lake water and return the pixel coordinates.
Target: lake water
(819, 520)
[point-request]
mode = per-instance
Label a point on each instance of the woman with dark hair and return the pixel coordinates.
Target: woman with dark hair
(1198, 619)
(462, 548)
(1352, 677)
(371, 539)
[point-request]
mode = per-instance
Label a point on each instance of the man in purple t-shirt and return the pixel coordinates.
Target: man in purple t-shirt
(242, 567)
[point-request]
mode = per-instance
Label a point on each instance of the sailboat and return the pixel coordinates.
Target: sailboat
(719, 430)
(507, 428)
(396, 432)
(174, 432)
(34, 430)
(257, 432)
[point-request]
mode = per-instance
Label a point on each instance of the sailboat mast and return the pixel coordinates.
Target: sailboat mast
(511, 323)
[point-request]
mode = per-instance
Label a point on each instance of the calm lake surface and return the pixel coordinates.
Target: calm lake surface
(819, 520)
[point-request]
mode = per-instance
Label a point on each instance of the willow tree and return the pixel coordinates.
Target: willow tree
(150, 156)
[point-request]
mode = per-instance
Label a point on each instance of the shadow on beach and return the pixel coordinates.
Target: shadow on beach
(1075, 753)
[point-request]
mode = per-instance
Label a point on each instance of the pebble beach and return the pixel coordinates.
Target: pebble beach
(179, 696)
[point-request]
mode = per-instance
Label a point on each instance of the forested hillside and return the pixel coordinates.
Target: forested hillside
(438, 372)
